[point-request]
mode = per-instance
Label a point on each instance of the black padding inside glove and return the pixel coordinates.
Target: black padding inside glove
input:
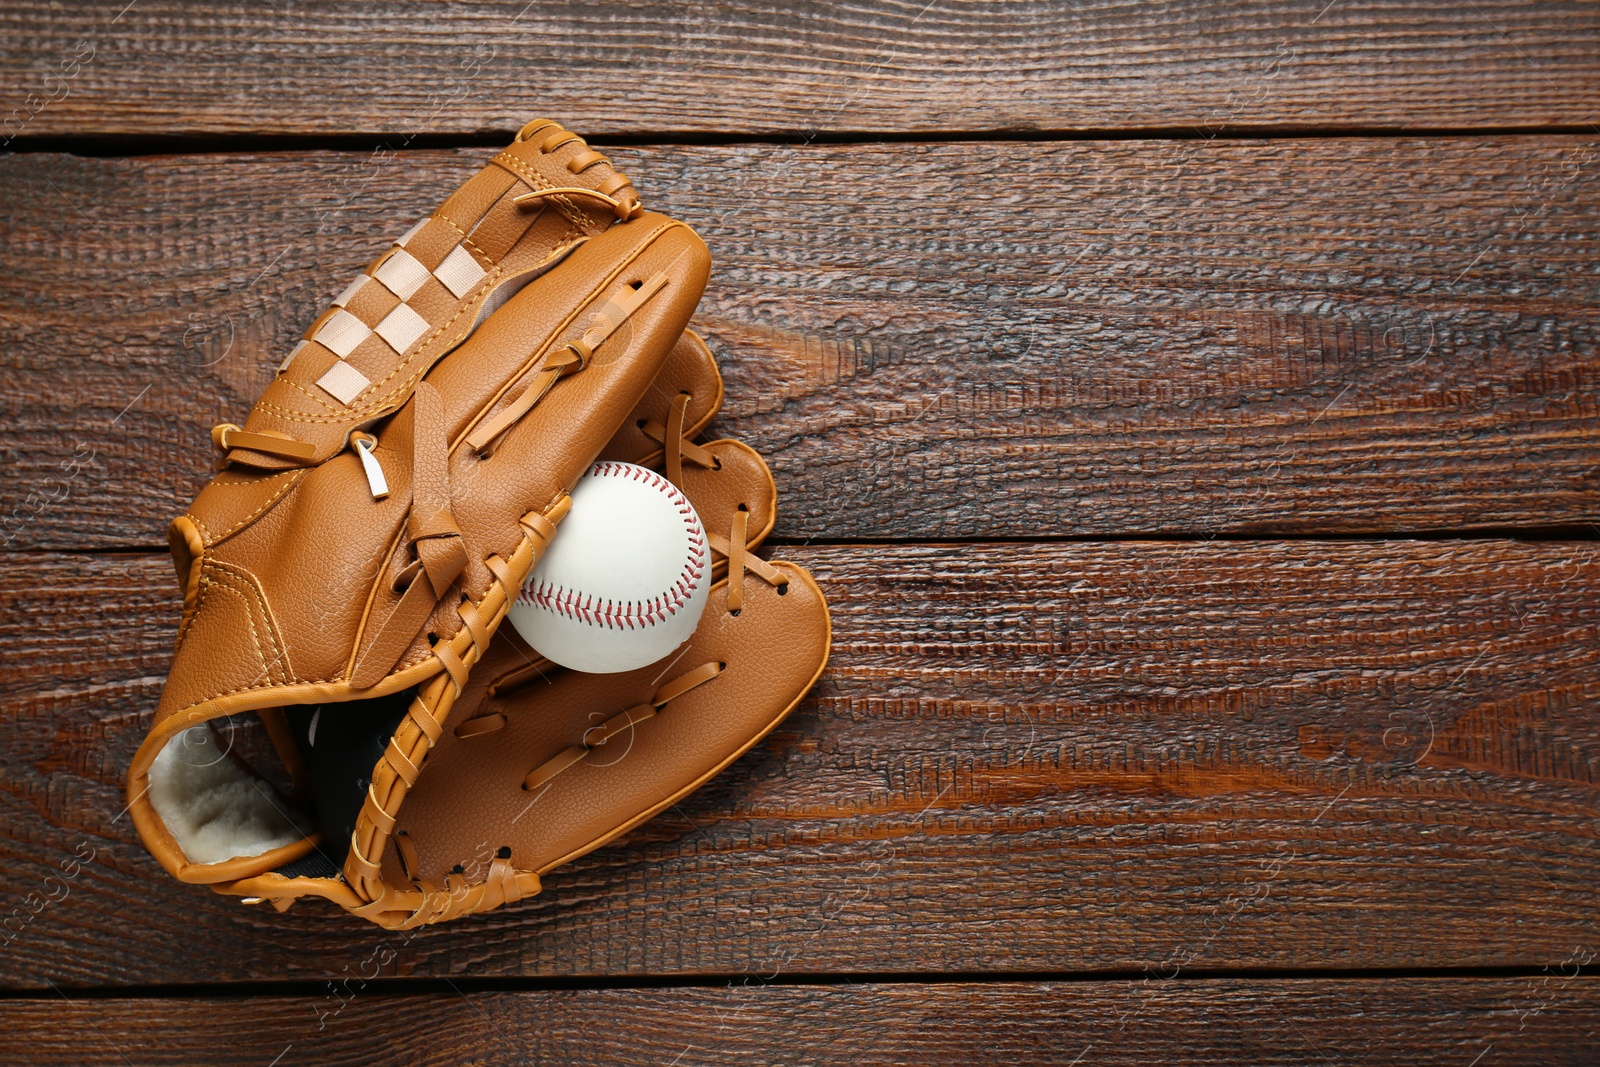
(341, 744)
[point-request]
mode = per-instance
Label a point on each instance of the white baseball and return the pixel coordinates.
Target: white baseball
(625, 578)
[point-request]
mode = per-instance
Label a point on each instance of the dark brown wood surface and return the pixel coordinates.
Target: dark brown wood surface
(1293, 336)
(404, 70)
(1038, 758)
(1546, 1019)
(1189, 410)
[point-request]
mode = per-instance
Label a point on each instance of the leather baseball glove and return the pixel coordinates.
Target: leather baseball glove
(351, 561)
(537, 765)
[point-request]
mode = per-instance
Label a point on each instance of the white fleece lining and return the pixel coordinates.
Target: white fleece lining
(214, 806)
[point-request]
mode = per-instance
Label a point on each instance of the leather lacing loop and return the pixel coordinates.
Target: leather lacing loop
(454, 664)
(481, 724)
(624, 207)
(472, 618)
(676, 448)
(682, 449)
(408, 855)
(569, 359)
(677, 412)
(404, 768)
(572, 357)
(557, 138)
(584, 160)
(228, 436)
(531, 128)
(736, 554)
(596, 736)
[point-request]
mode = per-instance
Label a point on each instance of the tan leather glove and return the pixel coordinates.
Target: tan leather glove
(423, 764)
(395, 484)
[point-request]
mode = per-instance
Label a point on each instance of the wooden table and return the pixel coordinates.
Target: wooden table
(1189, 409)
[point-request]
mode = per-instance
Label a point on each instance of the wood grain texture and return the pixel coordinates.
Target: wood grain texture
(403, 69)
(1101, 338)
(1546, 1020)
(1043, 758)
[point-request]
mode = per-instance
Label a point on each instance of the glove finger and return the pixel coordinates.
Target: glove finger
(430, 290)
(540, 428)
(690, 368)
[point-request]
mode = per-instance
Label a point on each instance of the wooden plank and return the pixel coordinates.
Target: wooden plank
(1545, 1019)
(403, 69)
(1042, 758)
(1110, 338)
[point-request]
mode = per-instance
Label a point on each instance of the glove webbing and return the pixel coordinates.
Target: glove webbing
(421, 727)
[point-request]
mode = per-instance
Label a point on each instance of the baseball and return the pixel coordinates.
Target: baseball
(625, 579)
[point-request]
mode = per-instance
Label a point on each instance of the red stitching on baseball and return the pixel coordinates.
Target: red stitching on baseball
(571, 604)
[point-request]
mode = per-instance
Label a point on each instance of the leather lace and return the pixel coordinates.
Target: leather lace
(227, 436)
(624, 721)
(676, 449)
(432, 534)
(570, 358)
(419, 730)
(616, 192)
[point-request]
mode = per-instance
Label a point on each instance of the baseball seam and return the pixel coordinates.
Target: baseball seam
(630, 614)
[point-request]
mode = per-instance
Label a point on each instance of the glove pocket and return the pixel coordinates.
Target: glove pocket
(539, 774)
